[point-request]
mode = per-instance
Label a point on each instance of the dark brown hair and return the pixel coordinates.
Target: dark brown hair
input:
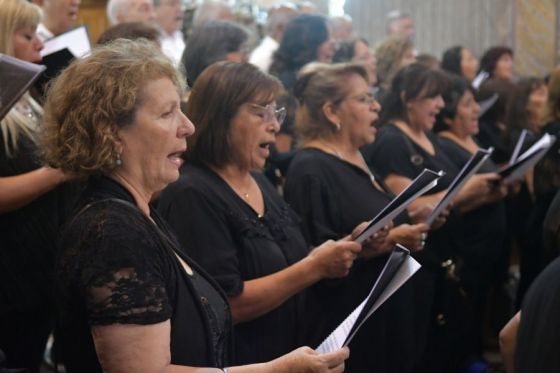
(217, 95)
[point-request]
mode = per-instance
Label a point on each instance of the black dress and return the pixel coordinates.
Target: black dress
(227, 238)
(393, 152)
(332, 196)
(480, 245)
(117, 266)
(29, 235)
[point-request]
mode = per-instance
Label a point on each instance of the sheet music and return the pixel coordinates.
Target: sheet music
(75, 40)
(481, 77)
(420, 185)
(15, 78)
(468, 170)
(518, 147)
(399, 268)
(528, 159)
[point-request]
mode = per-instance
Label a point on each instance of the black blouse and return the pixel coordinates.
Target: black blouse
(29, 235)
(117, 266)
(393, 152)
(227, 238)
(483, 230)
(332, 196)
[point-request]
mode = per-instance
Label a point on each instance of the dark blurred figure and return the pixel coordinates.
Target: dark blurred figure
(399, 24)
(214, 41)
(131, 31)
(278, 17)
(498, 63)
(357, 50)
(460, 61)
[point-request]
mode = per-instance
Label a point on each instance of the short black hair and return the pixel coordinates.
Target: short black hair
(491, 57)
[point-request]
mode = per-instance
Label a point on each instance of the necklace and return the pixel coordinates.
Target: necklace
(363, 166)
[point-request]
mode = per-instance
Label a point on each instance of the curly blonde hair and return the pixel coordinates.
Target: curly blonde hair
(96, 96)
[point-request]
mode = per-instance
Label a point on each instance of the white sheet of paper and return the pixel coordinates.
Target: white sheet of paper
(336, 339)
(518, 147)
(468, 170)
(76, 40)
(535, 153)
(406, 198)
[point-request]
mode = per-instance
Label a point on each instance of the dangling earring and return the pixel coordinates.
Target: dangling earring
(337, 126)
(118, 161)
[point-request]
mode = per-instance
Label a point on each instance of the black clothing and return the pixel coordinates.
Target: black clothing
(491, 135)
(117, 266)
(481, 245)
(551, 227)
(332, 196)
(233, 244)
(394, 152)
(546, 185)
(484, 228)
(29, 235)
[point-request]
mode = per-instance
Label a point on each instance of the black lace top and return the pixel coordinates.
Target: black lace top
(117, 266)
(227, 238)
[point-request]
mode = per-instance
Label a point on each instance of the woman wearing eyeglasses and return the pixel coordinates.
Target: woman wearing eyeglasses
(233, 222)
(332, 189)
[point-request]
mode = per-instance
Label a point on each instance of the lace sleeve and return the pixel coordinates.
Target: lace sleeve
(128, 297)
(122, 271)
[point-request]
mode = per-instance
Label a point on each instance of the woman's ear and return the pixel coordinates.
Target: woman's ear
(448, 121)
(329, 111)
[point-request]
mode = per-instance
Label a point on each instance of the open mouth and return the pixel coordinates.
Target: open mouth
(176, 158)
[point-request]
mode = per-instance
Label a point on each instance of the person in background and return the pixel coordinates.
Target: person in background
(212, 10)
(120, 11)
(492, 124)
(399, 24)
(33, 204)
(129, 299)
(214, 41)
(460, 61)
(525, 110)
(235, 225)
(405, 145)
(131, 31)
(392, 55)
(341, 27)
(484, 229)
(536, 335)
(357, 50)
(498, 63)
(306, 39)
(278, 17)
(59, 16)
(169, 16)
(428, 60)
(332, 189)
(547, 171)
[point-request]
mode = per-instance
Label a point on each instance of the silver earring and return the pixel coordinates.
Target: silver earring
(118, 161)
(337, 126)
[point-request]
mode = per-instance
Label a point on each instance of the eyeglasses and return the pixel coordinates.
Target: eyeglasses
(366, 98)
(269, 113)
